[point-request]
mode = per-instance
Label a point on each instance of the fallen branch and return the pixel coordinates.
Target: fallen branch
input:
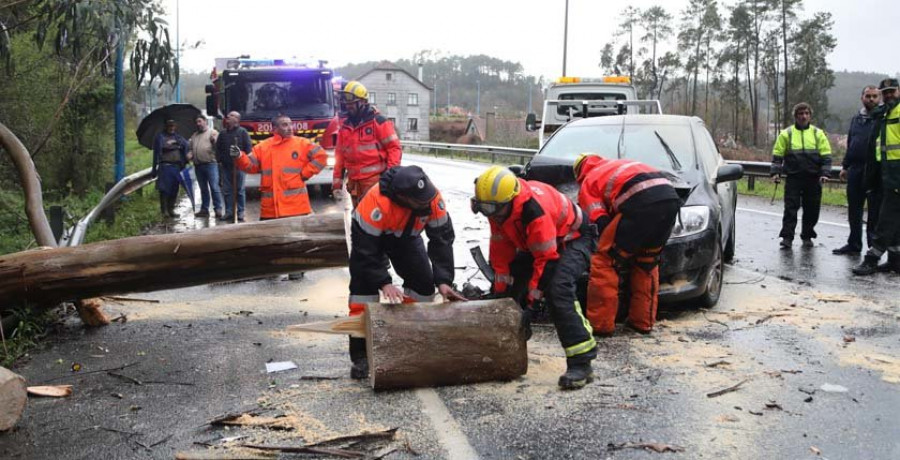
(718, 363)
(126, 378)
(128, 299)
(76, 374)
(365, 436)
(655, 447)
(318, 377)
(716, 321)
(309, 450)
(727, 390)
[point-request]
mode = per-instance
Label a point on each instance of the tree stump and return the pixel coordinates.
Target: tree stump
(427, 345)
(12, 398)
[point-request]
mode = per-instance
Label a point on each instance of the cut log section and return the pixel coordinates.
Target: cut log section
(148, 263)
(427, 345)
(12, 398)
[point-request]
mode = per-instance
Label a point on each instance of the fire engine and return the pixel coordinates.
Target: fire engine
(259, 89)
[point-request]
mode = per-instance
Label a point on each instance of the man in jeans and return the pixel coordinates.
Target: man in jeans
(234, 134)
(202, 145)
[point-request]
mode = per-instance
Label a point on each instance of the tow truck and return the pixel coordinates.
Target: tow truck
(571, 98)
(259, 89)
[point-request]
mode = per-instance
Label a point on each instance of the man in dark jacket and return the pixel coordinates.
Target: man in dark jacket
(170, 155)
(233, 134)
(854, 171)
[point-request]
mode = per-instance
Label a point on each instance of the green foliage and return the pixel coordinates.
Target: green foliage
(28, 329)
(833, 193)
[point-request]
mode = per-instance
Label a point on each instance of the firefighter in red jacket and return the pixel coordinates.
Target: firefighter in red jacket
(367, 144)
(387, 225)
(285, 162)
(539, 239)
(633, 206)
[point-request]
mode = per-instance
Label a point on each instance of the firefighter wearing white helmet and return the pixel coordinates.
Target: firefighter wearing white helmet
(367, 144)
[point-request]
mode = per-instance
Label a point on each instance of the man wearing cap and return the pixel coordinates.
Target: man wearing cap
(367, 144)
(853, 171)
(387, 224)
(170, 155)
(802, 153)
(885, 175)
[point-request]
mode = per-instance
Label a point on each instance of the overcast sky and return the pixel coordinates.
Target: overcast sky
(353, 31)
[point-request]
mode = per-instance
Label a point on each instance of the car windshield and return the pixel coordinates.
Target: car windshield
(300, 97)
(644, 142)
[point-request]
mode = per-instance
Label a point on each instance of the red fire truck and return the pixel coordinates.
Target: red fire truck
(259, 89)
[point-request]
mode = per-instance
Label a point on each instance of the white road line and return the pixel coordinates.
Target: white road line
(448, 432)
(778, 214)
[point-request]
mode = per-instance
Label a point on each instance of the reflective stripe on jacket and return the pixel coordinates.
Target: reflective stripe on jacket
(541, 219)
(887, 149)
(377, 219)
(805, 151)
(366, 146)
(284, 164)
(611, 186)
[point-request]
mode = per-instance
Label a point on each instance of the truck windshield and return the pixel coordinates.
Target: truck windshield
(639, 142)
(564, 109)
(261, 96)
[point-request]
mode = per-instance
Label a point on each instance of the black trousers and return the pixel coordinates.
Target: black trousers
(856, 202)
(887, 232)
(647, 227)
(559, 283)
(801, 190)
(410, 260)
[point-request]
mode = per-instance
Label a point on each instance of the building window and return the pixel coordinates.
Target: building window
(388, 76)
(412, 124)
(371, 98)
(392, 99)
(413, 99)
(392, 120)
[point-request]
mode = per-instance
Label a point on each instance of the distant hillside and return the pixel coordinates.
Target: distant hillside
(843, 98)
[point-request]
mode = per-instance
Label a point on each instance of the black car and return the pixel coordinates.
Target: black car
(704, 234)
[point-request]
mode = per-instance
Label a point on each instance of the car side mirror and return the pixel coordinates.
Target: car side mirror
(728, 173)
(531, 122)
(518, 170)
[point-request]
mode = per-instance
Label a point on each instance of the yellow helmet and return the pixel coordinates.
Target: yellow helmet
(353, 91)
(497, 185)
(579, 162)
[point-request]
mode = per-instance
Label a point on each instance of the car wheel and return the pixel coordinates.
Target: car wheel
(716, 273)
(729, 245)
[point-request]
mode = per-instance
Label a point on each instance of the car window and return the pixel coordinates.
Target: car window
(707, 153)
(639, 142)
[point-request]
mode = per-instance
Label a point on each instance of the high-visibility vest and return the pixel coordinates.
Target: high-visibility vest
(887, 149)
(802, 151)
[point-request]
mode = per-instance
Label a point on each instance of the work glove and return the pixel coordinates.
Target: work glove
(234, 151)
(337, 189)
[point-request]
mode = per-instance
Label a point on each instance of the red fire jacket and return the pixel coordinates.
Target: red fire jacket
(541, 219)
(366, 146)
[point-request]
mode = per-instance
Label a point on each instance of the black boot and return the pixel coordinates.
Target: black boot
(171, 206)
(163, 205)
(868, 266)
(578, 374)
(892, 264)
(360, 368)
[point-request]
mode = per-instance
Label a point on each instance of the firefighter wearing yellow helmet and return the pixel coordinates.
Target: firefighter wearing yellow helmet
(367, 144)
(539, 248)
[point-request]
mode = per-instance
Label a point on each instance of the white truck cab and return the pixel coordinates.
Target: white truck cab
(570, 98)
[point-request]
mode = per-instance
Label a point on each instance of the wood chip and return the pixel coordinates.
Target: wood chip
(723, 391)
(651, 446)
(51, 391)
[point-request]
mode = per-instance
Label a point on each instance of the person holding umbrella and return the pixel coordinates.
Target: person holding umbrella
(170, 155)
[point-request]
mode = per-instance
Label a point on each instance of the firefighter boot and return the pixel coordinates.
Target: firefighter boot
(868, 266)
(359, 370)
(578, 374)
(892, 264)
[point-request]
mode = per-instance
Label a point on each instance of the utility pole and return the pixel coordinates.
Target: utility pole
(178, 51)
(565, 37)
(478, 99)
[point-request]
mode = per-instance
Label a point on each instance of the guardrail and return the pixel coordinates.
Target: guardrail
(752, 169)
(126, 186)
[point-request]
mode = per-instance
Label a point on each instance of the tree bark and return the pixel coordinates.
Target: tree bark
(12, 398)
(34, 200)
(148, 263)
(426, 345)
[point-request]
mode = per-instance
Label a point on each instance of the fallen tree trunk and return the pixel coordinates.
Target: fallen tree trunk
(12, 398)
(444, 344)
(427, 345)
(148, 263)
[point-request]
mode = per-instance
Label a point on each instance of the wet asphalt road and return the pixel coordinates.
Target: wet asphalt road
(793, 326)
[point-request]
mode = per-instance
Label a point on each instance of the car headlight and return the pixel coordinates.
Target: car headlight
(692, 220)
(330, 161)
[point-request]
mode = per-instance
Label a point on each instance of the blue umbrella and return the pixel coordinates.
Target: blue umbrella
(188, 184)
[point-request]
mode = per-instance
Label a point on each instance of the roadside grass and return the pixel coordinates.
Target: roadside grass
(833, 193)
(29, 327)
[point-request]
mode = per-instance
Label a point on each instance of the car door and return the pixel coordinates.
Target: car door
(709, 157)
